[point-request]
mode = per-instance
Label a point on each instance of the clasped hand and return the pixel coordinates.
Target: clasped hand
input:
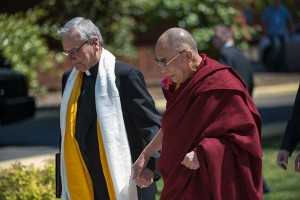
(143, 176)
(191, 161)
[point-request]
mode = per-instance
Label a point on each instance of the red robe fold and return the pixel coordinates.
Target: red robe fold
(213, 114)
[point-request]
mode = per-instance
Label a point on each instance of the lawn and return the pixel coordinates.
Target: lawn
(285, 185)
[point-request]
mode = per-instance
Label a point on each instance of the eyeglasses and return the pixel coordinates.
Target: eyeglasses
(73, 51)
(164, 63)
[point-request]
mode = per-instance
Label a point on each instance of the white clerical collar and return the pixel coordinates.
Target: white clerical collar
(87, 72)
(228, 44)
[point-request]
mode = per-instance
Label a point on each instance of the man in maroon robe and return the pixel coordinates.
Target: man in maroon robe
(211, 129)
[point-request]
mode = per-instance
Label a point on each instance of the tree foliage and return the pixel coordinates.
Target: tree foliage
(23, 43)
(123, 24)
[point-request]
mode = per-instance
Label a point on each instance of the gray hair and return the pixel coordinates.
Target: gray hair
(84, 27)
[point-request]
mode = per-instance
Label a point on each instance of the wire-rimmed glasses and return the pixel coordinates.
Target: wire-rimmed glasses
(164, 63)
(74, 51)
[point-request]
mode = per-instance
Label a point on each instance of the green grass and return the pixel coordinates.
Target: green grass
(285, 185)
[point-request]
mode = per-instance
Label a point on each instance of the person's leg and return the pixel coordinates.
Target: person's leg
(275, 53)
(282, 55)
(266, 187)
(147, 193)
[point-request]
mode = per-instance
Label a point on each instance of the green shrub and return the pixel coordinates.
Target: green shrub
(20, 182)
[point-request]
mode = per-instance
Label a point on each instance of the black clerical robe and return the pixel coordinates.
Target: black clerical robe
(141, 119)
(292, 133)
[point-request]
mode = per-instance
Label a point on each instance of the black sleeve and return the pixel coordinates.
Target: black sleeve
(142, 111)
(141, 106)
(292, 132)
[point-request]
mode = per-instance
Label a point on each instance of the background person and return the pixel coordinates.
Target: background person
(210, 130)
(291, 137)
(275, 20)
(232, 56)
(107, 118)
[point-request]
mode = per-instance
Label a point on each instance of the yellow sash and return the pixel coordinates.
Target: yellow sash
(177, 86)
(79, 181)
(106, 172)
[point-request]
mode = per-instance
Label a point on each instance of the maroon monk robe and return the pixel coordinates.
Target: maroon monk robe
(213, 114)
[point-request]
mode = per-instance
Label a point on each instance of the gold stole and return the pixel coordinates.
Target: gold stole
(79, 181)
(177, 86)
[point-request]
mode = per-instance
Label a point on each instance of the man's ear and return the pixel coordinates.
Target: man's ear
(95, 41)
(189, 54)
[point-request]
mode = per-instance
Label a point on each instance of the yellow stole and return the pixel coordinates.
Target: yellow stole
(79, 181)
(177, 86)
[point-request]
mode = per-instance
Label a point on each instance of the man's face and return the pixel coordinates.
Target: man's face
(217, 39)
(80, 52)
(173, 64)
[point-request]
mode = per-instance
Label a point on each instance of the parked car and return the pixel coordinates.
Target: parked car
(15, 104)
(292, 50)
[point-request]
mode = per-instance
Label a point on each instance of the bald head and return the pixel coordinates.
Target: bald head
(177, 54)
(176, 39)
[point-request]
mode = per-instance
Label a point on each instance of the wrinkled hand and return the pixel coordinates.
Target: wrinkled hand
(282, 159)
(297, 163)
(140, 172)
(190, 160)
(145, 179)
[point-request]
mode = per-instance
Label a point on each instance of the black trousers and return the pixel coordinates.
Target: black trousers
(278, 61)
(147, 193)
